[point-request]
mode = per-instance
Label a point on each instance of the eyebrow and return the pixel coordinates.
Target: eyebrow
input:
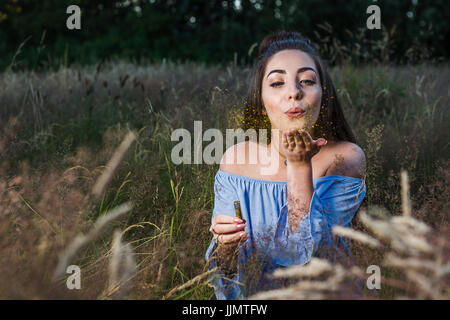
(300, 70)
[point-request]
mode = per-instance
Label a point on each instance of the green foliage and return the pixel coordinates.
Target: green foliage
(214, 31)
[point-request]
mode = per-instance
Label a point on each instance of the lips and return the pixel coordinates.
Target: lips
(295, 112)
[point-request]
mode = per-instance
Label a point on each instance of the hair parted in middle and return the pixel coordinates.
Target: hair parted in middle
(331, 123)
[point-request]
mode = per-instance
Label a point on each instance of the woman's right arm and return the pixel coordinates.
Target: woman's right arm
(226, 227)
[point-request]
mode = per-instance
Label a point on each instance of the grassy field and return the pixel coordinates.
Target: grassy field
(58, 131)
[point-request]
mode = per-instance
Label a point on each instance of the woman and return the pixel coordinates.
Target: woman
(287, 216)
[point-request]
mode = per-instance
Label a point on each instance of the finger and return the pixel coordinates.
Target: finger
(224, 228)
(291, 139)
(307, 140)
(321, 142)
(241, 240)
(290, 136)
(229, 238)
(284, 140)
(224, 218)
(298, 140)
(289, 132)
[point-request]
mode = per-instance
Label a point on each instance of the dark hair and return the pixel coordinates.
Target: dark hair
(331, 123)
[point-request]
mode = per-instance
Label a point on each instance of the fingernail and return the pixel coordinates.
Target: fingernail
(237, 220)
(240, 225)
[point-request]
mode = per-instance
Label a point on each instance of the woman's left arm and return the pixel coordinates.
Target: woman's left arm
(300, 190)
(299, 148)
(350, 162)
(334, 201)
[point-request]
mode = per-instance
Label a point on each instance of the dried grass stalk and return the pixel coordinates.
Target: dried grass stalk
(106, 176)
(406, 201)
(411, 223)
(82, 240)
(411, 263)
(122, 267)
(190, 282)
(314, 268)
(287, 294)
(356, 235)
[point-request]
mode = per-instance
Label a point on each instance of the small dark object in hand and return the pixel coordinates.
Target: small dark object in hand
(237, 208)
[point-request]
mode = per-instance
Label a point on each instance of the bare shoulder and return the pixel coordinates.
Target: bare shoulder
(234, 160)
(348, 160)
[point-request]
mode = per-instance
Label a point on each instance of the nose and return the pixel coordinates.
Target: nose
(295, 91)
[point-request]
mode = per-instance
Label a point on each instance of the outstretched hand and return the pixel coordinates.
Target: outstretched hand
(298, 146)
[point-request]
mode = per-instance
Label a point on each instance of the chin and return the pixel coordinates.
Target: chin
(300, 124)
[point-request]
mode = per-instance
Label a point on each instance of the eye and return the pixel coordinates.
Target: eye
(276, 84)
(308, 82)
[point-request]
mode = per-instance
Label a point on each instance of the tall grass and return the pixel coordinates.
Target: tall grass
(60, 130)
(405, 243)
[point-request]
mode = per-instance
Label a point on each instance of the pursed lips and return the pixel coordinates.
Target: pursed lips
(295, 110)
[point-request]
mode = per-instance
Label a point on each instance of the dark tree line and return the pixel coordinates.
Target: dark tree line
(215, 31)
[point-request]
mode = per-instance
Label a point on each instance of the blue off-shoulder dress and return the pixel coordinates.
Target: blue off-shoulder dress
(271, 243)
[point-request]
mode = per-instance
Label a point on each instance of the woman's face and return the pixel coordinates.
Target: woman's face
(291, 80)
